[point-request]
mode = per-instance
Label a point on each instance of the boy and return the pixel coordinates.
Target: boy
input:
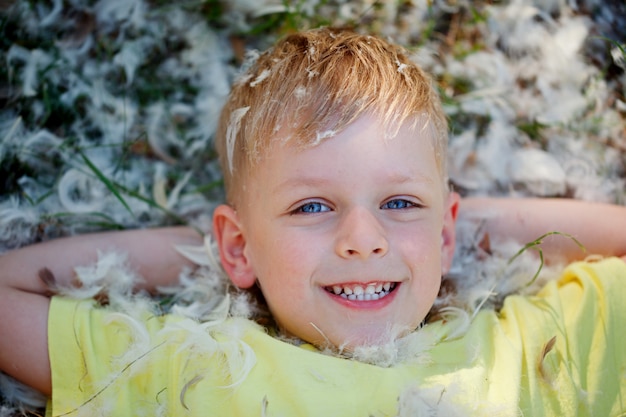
(333, 151)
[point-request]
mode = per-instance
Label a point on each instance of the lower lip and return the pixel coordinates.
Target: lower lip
(365, 305)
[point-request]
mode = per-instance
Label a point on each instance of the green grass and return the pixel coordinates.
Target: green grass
(536, 246)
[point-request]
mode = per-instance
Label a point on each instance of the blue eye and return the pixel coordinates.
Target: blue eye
(397, 204)
(313, 207)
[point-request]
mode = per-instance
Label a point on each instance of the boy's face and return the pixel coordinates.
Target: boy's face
(347, 239)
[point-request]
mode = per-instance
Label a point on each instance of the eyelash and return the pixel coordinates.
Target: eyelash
(301, 209)
(314, 207)
(406, 204)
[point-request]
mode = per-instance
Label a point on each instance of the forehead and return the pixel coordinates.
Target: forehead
(292, 136)
(405, 156)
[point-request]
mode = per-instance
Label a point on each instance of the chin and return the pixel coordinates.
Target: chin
(367, 337)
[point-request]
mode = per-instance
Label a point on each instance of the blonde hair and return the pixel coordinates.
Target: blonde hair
(312, 85)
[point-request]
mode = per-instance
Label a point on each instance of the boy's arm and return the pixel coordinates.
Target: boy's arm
(25, 299)
(600, 228)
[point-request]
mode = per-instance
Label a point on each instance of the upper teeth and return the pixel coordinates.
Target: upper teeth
(368, 292)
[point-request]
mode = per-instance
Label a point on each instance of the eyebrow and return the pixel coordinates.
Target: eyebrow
(395, 178)
(302, 180)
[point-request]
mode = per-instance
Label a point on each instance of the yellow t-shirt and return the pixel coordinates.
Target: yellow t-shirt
(559, 353)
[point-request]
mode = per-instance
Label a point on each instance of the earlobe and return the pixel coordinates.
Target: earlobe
(448, 233)
(231, 243)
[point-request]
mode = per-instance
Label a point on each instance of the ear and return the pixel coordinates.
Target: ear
(231, 242)
(448, 233)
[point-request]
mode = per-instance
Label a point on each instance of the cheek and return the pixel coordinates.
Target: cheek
(284, 264)
(420, 246)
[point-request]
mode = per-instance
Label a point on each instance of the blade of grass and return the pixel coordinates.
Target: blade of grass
(117, 188)
(151, 203)
(108, 221)
(536, 245)
(38, 200)
(110, 185)
(614, 42)
(208, 187)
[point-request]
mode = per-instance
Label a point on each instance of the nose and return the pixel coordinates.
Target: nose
(360, 235)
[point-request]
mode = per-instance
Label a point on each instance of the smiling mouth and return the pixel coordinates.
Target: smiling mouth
(360, 292)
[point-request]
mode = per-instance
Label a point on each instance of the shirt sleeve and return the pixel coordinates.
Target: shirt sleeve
(95, 353)
(594, 296)
(574, 342)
